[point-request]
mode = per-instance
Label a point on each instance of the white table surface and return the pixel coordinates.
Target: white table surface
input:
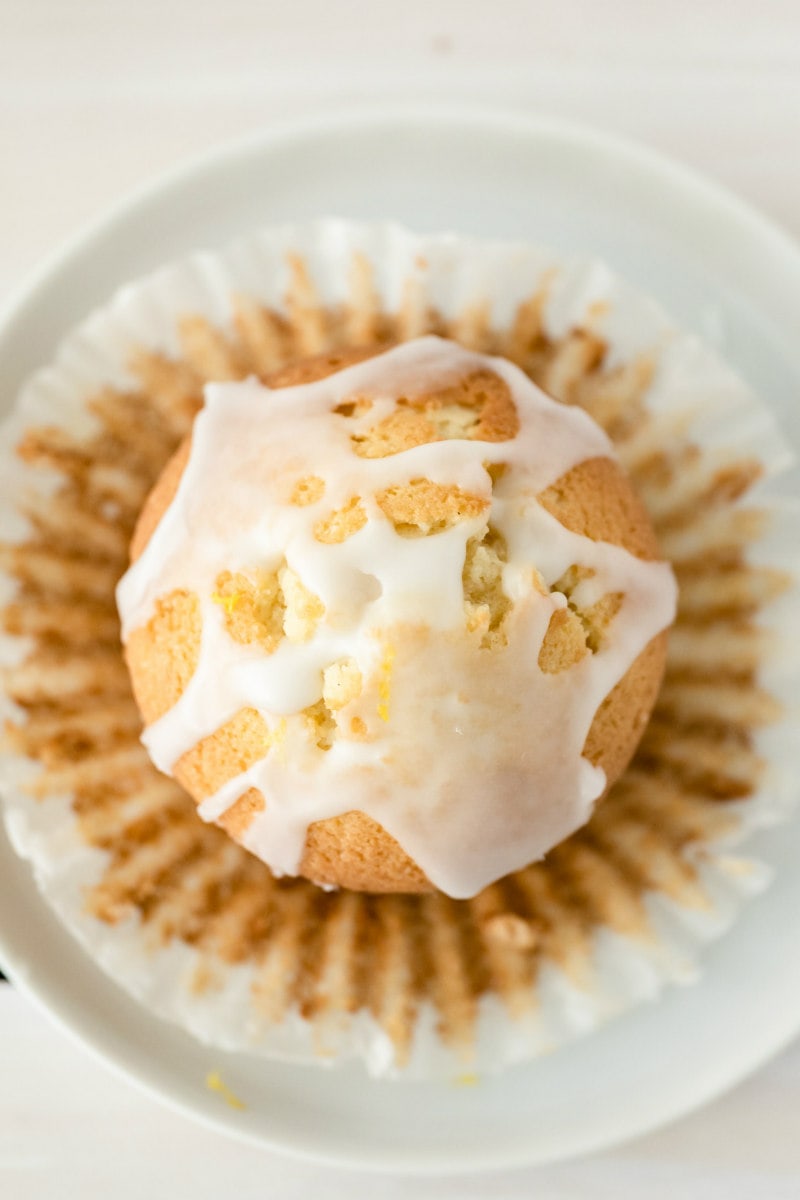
(96, 97)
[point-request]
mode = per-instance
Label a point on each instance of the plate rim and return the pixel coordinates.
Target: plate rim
(351, 116)
(472, 118)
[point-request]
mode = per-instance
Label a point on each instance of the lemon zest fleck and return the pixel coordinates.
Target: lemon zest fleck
(467, 1080)
(227, 602)
(215, 1083)
(385, 684)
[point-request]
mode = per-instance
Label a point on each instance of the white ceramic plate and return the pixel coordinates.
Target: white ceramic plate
(721, 270)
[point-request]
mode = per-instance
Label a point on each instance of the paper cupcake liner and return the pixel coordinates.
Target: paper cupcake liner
(414, 985)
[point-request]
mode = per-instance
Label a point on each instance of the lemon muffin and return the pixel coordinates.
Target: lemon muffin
(395, 620)
(184, 916)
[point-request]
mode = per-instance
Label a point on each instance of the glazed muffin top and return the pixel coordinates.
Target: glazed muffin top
(396, 620)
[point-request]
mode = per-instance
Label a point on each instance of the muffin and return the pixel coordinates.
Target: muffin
(414, 984)
(438, 615)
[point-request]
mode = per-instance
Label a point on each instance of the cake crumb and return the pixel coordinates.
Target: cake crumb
(341, 683)
(303, 610)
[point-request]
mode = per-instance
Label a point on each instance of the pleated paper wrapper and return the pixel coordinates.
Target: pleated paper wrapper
(415, 986)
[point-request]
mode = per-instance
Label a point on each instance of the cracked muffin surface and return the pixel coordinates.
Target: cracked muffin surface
(269, 608)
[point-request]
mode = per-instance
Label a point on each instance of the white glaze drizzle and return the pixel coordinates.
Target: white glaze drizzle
(478, 770)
